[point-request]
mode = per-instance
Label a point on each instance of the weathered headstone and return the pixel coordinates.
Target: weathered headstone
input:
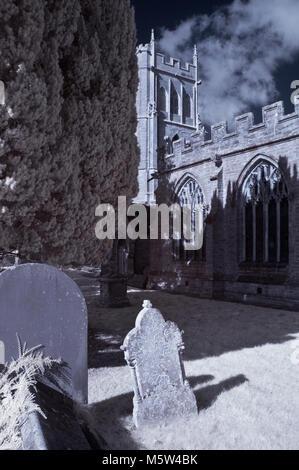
(44, 306)
(153, 352)
(9, 259)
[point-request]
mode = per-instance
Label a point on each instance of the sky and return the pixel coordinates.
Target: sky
(248, 49)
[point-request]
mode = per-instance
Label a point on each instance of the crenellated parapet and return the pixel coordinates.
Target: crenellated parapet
(167, 64)
(175, 66)
(275, 125)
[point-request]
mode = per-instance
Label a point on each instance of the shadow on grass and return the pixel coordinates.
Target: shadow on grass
(207, 396)
(109, 414)
(210, 328)
(115, 409)
(201, 379)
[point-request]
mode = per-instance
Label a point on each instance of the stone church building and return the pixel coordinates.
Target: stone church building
(246, 179)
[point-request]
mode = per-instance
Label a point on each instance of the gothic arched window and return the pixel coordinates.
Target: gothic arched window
(265, 215)
(174, 102)
(162, 99)
(189, 194)
(186, 105)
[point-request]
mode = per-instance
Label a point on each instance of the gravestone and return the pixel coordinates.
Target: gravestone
(153, 352)
(9, 259)
(44, 306)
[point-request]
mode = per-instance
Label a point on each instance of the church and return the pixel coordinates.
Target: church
(246, 180)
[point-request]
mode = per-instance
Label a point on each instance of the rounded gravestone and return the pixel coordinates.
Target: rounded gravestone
(44, 306)
(153, 352)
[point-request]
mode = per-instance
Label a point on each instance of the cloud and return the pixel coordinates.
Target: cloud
(240, 48)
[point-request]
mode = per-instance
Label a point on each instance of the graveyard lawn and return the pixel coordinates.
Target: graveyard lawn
(242, 362)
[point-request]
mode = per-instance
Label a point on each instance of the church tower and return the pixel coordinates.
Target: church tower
(167, 110)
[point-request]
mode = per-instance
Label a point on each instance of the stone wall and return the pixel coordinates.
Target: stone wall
(219, 159)
(219, 165)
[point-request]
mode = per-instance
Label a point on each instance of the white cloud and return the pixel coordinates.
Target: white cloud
(240, 48)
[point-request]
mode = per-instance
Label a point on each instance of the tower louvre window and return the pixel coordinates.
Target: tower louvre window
(162, 98)
(265, 215)
(174, 103)
(186, 105)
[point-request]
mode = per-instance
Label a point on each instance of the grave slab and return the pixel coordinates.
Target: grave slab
(44, 306)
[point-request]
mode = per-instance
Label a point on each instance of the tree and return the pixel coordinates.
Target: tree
(67, 129)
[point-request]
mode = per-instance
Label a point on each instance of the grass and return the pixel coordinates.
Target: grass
(238, 362)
